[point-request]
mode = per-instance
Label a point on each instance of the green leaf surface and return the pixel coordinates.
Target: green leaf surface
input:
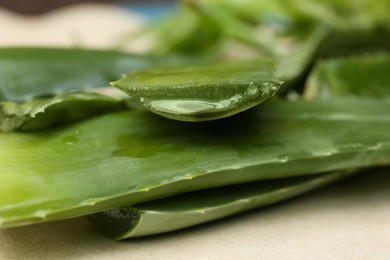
(131, 157)
(41, 113)
(26, 73)
(189, 209)
(358, 75)
(293, 33)
(202, 93)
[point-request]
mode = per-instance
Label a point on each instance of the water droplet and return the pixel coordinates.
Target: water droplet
(202, 212)
(89, 202)
(253, 90)
(135, 152)
(70, 140)
(374, 147)
(283, 159)
(41, 213)
(142, 145)
(294, 156)
(245, 201)
(383, 145)
(350, 147)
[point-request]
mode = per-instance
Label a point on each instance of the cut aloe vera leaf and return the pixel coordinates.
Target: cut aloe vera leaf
(359, 75)
(26, 73)
(131, 157)
(41, 113)
(201, 93)
(193, 208)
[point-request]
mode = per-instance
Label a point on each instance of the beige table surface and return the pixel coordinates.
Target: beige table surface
(348, 220)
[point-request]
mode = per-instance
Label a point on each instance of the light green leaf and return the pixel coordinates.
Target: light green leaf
(131, 157)
(201, 93)
(189, 209)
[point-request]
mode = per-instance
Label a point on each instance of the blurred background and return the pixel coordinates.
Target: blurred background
(35, 7)
(98, 24)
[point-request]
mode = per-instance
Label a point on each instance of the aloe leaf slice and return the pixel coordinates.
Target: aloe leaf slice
(26, 73)
(131, 157)
(41, 113)
(358, 75)
(189, 209)
(201, 93)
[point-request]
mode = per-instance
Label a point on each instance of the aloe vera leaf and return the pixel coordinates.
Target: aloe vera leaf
(278, 28)
(181, 40)
(292, 63)
(189, 209)
(358, 75)
(230, 26)
(319, 42)
(334, 13)
(201, 93)
(41, 113)
(131, 157)
(344, 14)
(26, 73)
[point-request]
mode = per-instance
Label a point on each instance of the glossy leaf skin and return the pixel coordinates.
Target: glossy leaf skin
(359, 75)
(193, 208)
(202, 93)
(42, 113)
(131, 157)
(26, 73)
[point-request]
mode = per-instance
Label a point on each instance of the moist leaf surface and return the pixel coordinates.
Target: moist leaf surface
(131, 157)
(202, 93)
